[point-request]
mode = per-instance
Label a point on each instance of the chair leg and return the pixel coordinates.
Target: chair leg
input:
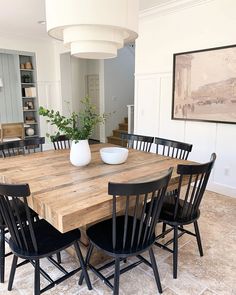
(163, 228)
(175, 254)
(82, 264)
(59, 258)
(36, 278)
(116, 277)
(2, 254)
(155, 270)
(12, 273)
(198, 237)
(87, 259)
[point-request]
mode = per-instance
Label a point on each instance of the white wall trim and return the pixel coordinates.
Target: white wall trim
(171, 7)
(222, 189)
(152, 75)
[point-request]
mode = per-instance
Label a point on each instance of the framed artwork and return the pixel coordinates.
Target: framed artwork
(204, 85)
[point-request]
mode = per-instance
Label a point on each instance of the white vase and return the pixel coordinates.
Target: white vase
(80, 154)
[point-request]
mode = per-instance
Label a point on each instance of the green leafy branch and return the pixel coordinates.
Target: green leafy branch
(78, 126)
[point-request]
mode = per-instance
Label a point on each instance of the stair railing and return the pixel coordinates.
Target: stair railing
(130, 118)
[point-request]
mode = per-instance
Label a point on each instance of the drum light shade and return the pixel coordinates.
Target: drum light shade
(93, 29)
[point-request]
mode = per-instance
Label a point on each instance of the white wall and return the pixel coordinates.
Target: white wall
(119, 87)
(202, 26)
(73, 72)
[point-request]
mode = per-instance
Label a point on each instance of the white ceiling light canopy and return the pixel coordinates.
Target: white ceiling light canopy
(93, 28)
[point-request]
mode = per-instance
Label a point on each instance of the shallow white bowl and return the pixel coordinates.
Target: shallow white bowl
(114, 155)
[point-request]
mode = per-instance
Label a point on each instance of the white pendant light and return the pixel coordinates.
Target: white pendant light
(1, 83)
(93, 28)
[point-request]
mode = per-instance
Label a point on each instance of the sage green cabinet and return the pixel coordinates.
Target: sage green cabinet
(10, 92)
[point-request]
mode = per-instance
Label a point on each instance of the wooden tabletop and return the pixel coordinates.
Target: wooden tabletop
(69, 197)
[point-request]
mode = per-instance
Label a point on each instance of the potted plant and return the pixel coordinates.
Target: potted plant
(78, 127)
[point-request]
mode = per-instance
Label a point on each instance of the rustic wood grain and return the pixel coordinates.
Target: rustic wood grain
(69, 197)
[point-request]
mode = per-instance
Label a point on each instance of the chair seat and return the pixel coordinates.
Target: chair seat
(100, 235)
(49, 240)
(167, 212)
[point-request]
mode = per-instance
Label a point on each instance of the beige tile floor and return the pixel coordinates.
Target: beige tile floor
(212, 274)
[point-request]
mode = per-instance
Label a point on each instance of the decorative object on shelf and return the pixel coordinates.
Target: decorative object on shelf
(26, 107)
(93, 29)
(28, 65)
(29, 131)
(30, 105)
(204, 85)
(30, 91)
(29, 119)
(22, 66)
(78, 128)
(26, 79)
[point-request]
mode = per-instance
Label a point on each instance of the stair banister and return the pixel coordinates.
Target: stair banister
(130, 118)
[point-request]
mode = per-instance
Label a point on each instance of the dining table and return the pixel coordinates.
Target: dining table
(71, 197)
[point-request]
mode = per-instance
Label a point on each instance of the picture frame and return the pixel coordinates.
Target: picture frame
(204, 85)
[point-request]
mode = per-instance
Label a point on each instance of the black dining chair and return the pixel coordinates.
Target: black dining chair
(60, 142)
(183, 208)
(1, 151)
(138, 142)
(32, 145)
(3, 236)
(12, 148)
(129, 234)
(33, 241)
(172, 148)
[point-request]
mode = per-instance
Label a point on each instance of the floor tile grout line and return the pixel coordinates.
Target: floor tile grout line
(203, 291)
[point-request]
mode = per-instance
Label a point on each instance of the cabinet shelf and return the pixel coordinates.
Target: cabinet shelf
(28, 97)
(35, 123)
(31, 136)
(27, 70)
(32, 83)
(30, 110)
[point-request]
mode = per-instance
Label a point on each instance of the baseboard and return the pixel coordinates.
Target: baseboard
(222, 189)
(48, 146)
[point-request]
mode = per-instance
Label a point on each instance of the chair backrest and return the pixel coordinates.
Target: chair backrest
(12, 148)
(172, 148)
(1, 151)
(197, 176)
(138, 142)
(34, 144)
(61, 142)
(21, 230)
(139, 223)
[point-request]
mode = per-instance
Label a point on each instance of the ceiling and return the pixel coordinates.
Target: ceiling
(20, 17)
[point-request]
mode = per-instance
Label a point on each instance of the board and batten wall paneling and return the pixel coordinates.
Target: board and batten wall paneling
(146, 93)
(47, 92)
(160, 36)
(10, 93)
(153, 117)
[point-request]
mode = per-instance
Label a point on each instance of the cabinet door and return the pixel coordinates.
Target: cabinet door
(10, 93)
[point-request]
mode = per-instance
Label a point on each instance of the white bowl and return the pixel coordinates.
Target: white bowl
(114, 155)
